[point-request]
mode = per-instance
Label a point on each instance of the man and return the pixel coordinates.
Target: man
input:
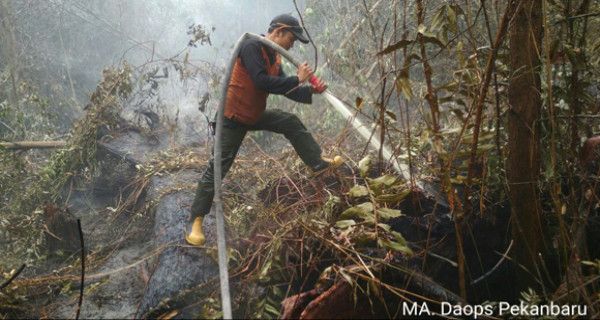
(257, 73)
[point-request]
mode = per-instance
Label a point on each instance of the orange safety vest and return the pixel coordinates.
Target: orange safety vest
(245, 102)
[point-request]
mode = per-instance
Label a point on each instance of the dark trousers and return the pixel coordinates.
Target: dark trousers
(232, 136)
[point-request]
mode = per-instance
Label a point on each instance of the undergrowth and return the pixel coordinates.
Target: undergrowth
(285, 248)
(77, 158)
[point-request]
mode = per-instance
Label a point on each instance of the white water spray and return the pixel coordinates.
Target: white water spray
(365, 132)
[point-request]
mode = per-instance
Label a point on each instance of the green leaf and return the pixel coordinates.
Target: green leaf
(364, 165)
(431, 38)
(404, 87)
(358, 191)
(450, 86)
(438, 19)
(366, 206)
(462, 62)
(459, 179)
(383, 181)
(387, 213)
(265, 270)
(452, 25)
(393, 197)
(272, 310)
(361, 211)
(365, 238)
(384, 226)
(399, 238)
(346, 277)
(343, 224)
(398, 45)
(395, 246)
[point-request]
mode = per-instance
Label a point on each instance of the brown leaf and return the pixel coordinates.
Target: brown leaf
(398, 45)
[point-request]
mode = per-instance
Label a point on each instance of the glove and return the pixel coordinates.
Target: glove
(317, 84)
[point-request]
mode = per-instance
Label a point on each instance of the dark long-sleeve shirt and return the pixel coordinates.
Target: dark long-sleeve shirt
(253, 61)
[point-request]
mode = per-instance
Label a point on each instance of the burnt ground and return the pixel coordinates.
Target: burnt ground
(139, 264)
(428, 226)
(142, 259)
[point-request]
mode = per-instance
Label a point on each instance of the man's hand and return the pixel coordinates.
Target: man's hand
(304, 72)
(318, 86)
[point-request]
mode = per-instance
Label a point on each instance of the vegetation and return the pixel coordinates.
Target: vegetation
(492, 105)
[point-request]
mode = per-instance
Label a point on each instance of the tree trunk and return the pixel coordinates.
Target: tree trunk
(523, 165)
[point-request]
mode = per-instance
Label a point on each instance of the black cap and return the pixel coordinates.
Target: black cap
(291, 24)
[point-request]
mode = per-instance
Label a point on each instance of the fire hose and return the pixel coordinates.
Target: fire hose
(338, 105)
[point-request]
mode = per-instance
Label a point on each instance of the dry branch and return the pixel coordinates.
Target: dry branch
(21, 145)
(16, 274)
(24, 145)
(489, 68)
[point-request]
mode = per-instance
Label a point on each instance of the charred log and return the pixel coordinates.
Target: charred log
(60, 230)
(179, 267)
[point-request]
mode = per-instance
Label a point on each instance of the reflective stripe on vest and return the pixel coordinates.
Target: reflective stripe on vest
(245, 102)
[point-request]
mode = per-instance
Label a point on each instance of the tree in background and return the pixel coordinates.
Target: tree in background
(523, 163)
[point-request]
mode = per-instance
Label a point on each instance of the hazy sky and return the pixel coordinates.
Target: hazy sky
(86, 36)
(165, 22)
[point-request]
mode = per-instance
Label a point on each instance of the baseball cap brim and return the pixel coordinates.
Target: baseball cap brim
(290, 23)
(297, 31)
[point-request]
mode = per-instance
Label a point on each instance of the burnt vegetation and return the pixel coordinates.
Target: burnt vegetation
(491, 107)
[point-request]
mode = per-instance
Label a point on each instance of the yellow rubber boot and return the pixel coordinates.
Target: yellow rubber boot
(196, 237)
(335, 162)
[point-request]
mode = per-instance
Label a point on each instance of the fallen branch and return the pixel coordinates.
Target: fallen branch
(21, 145)
(24, 145)
(16, 274)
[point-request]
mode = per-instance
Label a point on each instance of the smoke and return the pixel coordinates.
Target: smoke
(142, 31)
(72, 41)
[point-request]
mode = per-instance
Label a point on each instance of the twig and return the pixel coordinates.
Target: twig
(357, 26)
(52, 234)
(82, 269)
(452, 263)
(431, 96)
(363, 263)
(483, 89)
(591, 14)
(8, 127)
(16, 274)
(495, 74)
(485, 275)
(309, 37)
(591, 116)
